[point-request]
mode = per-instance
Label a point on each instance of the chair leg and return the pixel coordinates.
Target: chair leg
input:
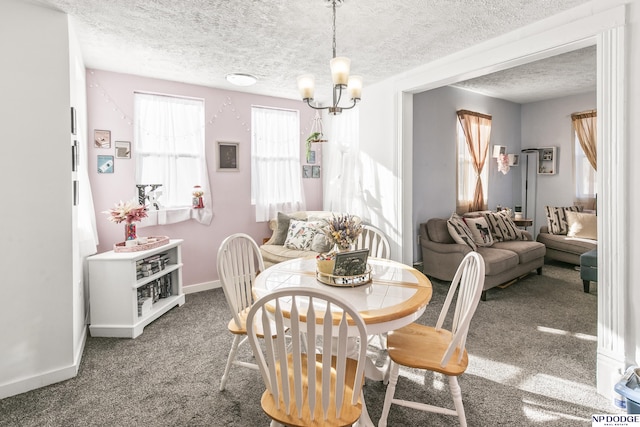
(391, 389)
(483, 296)
(539, 270)
(230, 359)
(456, 393)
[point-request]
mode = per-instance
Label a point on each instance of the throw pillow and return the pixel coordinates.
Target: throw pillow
(557, 218)
(282, 227)
(502, 227)
(582, 225)
(320, 242)
(480, 230)
(300, 235)
(460, 232)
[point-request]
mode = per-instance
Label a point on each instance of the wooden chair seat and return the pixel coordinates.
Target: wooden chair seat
(423, 347)
(348, 415)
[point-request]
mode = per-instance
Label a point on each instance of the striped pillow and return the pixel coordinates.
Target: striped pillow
(460, 232)
(557, 218)
(502, 227)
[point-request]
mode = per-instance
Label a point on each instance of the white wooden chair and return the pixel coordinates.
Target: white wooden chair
(239, 262)
(321, 387)
(374, 239)
(437, 349)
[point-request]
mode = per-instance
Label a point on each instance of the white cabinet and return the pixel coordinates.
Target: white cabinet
(118, 281)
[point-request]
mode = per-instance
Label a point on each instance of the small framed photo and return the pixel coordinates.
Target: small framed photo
(498, 150)
(105, 164)
(228, 156)
(351, 263)
(102, 138)
(75, 156)
(315, 171)
(76, 192)
(311, 157)
(123, 149)
(74, 121)
(514, 160)
(306, 171)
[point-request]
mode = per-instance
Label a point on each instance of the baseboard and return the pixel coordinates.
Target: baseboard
(199, 287)
(38, 381)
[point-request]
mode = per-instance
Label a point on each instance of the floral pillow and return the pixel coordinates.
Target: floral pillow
(300, 235)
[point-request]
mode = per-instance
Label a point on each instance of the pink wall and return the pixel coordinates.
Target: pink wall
(228, 118)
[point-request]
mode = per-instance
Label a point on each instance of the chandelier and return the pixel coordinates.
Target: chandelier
(340, 75)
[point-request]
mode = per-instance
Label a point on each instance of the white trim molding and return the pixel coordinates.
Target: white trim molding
(613, 206)
(199, 287)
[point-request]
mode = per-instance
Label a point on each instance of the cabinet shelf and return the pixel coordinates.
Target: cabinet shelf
(114, 289)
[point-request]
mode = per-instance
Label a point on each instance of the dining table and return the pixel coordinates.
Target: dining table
(394, 295)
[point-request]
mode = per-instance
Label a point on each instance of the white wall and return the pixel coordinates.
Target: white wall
(548, 124)
(35, 188)
(434, 152)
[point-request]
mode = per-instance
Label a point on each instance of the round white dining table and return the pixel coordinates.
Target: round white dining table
(396, 296)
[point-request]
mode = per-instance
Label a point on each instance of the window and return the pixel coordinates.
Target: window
(474, 130)
(276, 182)
(169, 150)
(584, 148)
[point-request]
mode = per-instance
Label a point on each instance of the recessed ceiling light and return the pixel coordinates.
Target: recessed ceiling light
(240, 79)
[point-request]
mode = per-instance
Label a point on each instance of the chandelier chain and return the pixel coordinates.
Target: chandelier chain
(334, 28)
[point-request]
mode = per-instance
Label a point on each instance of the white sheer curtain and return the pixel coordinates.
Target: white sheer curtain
(276, 178)
(343, 191)
(169, 150)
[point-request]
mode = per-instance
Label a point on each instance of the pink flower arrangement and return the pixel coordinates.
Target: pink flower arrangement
(128, 212)
(503, 163)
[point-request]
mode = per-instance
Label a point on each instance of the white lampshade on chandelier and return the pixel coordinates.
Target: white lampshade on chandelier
(340, 67)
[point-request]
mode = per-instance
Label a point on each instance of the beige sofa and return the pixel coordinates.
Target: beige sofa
(563, 248)
(504, 261)
(273, 251)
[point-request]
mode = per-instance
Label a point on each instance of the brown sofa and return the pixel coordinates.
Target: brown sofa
(504, 261)
(563, 248)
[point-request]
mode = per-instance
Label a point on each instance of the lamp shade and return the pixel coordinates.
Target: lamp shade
(354, 87)
(306, 86)
(340, 70)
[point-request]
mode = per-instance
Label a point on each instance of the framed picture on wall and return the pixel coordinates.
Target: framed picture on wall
(123, 149)
(306, 171)
(311, 157)
(74, 122)
(75, 156)
(102, 138)
(315, 171)
(228, 156)
(514, 159)
(105, 164)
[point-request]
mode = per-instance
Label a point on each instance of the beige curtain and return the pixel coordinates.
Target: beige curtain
(585, 127)
(477, 132)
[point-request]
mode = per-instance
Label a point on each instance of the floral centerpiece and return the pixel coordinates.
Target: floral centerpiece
(343, 230)
(127, 212)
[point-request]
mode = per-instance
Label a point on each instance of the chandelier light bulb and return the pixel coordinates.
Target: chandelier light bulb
(340, 70)
(354, 87)
(306, 86)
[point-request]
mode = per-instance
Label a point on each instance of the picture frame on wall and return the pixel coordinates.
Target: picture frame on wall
(76, 192)
(123, 149)
(75, 156)
(315, 171)
(105, 164)
(74, 121)
(306, 171)
(311, 157)
(228, 156)
(514, 160)
(102, 138)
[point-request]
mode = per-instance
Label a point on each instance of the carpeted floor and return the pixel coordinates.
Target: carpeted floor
(532, 349)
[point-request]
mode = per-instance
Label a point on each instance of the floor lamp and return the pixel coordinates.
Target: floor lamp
(528, 151)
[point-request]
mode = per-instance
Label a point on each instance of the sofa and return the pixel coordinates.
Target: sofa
(574, 233)
(505, 261)
(273, 250)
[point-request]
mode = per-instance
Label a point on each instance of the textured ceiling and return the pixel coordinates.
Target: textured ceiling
(200, 41)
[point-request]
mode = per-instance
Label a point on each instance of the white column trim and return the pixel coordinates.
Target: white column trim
(613, 205)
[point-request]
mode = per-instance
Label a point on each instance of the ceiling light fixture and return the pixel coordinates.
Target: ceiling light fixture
(339, 74)
(240, 79)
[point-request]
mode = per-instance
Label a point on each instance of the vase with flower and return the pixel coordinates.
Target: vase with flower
(128, 212)
(342, 231)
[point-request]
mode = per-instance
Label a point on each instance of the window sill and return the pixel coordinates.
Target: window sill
(174, 215)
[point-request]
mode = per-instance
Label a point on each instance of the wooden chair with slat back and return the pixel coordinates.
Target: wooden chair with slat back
(239, 262)
(318, 387)
(434, 348)
(375, 240)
